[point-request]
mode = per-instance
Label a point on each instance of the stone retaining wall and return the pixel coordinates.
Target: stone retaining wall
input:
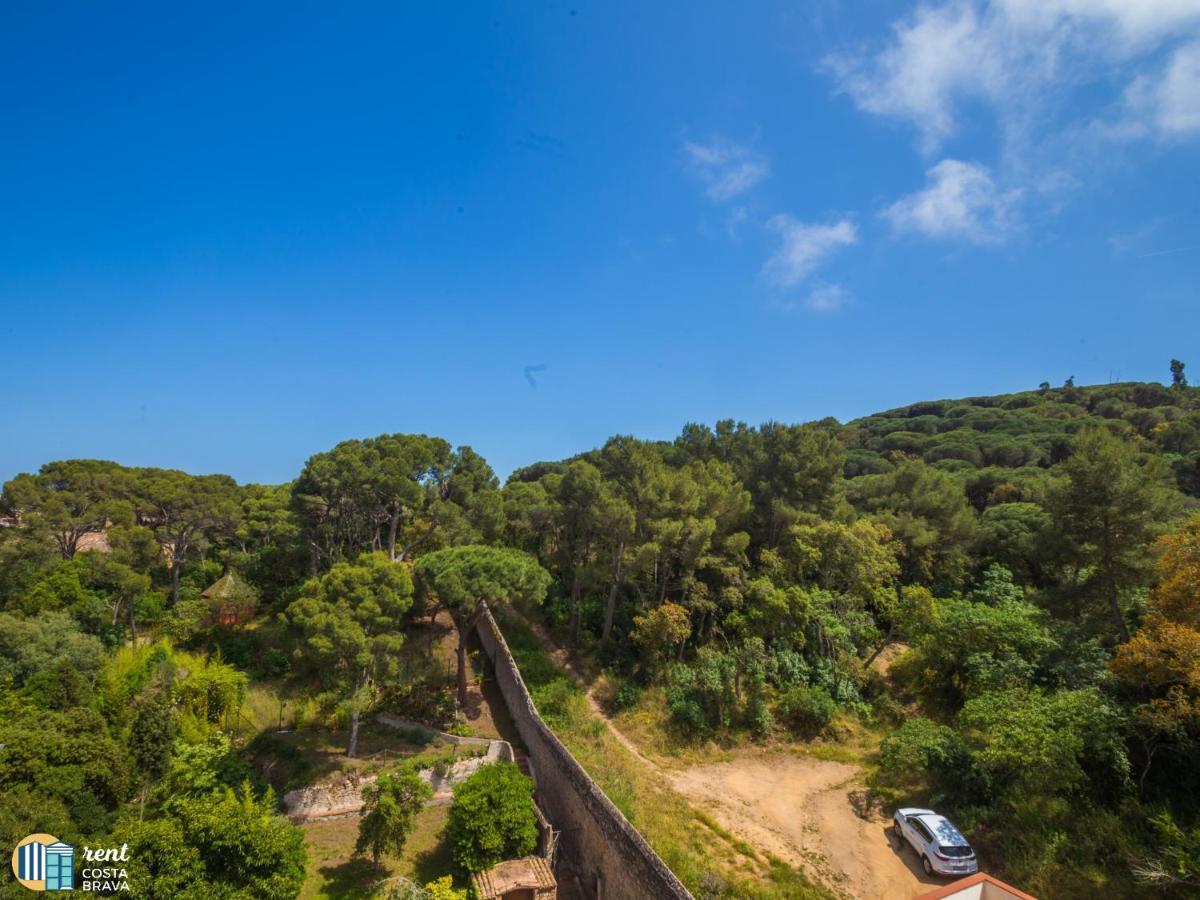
(341, 796)
(613, 859)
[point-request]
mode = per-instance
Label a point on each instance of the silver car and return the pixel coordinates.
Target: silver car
(942, 848)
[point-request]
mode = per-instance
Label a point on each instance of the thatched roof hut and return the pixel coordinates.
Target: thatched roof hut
(231, 599)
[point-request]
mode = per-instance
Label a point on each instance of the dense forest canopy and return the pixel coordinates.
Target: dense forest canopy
(1036, 557)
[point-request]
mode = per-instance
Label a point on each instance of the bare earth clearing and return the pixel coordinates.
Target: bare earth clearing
(810, 813)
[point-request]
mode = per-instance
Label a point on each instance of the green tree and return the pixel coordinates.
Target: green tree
(186, 512)
(968, 647)
(397, 492)
(462, 579)
(923, 748)
(926, 510)
(351, 619)
(389, 807)
(67, 755)
(1112, 506)
(201, 770)
(70, 499)
(491, 818)
(168, 867)
(28, 646)
(1178, 379)
(232, 846)
(152, 738)
(1175, 863)
(579, 499)
(660, 633)
(443, 889)
(1031, 744)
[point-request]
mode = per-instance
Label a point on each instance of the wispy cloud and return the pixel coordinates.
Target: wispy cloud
(726, 169)
(959, 201)
(803, 247)
(822, 298)
(1016, 56)
(1164, 103)
(827, 297)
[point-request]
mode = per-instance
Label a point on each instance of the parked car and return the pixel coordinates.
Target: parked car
(941, 846)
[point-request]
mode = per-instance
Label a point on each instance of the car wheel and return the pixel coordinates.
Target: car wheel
(926, 866)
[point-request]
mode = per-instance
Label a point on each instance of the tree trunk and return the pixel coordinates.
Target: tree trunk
(462, 667)
(352, 749)
(1114, 606)
(176, 565)
(575, 590)
(611, 609)
(412, 545)
(393, 527)
(1114, 600)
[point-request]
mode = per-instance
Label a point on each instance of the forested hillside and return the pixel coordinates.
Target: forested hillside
(1030, 561)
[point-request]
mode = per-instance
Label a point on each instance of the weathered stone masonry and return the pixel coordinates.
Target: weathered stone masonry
(614, 860)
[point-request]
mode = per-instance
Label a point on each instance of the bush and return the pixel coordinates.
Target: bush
(626, 697)
(491, 818)
(808, 709)
(275, 663)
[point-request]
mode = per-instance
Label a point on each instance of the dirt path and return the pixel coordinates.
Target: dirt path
(563, 659)
(810, 813)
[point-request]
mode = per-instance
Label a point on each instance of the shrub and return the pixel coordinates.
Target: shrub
(806, 708)
(491, 818)
(626, 696)
(275, 663)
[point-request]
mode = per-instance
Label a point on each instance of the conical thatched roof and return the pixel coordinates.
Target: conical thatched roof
(229, 588)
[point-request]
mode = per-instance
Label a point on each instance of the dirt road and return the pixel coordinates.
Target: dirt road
(806, 811)
(809, 812)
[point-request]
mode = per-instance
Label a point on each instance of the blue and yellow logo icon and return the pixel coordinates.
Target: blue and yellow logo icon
(42, 862)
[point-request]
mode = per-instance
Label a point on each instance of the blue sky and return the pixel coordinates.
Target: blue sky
(233, 236)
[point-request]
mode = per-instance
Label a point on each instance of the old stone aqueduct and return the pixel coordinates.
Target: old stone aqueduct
(612, 860)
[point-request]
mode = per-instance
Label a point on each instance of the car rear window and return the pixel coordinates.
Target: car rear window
(956, 851)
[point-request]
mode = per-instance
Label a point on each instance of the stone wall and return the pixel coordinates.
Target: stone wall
(613, 859)
(342, 795)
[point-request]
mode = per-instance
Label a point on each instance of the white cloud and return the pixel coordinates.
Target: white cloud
(1013, 55)
(726, 169)
(934, 57)
(827, 297)
(803, 247)
(960, 201)
(1165, 103)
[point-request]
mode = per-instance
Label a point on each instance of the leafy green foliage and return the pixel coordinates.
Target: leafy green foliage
(68, 756)
(763, 579)
(351, 620)
(389, 807)
(152, 736)
(230, 845)
(29, 646)
(463, 578)
(491, 818)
